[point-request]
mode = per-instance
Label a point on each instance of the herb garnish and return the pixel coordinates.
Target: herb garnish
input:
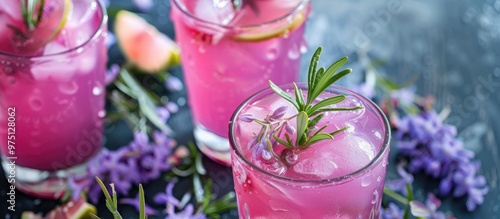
(32, 11)
(309, 113)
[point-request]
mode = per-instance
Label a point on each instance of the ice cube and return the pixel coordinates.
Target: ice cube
(328, 159)
(216, 11)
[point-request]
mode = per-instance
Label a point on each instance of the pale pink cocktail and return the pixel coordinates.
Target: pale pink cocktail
(53, 96)
(229, 53)
(339, 178)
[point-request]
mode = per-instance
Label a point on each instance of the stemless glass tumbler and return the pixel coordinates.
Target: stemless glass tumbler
(339, 178)
(52, 100)
(229, 50)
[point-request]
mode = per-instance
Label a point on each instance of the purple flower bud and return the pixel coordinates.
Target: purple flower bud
(290, 129)
(247, 117)
(172, 107)
(173, 83)
(278, 113)
(111, 74)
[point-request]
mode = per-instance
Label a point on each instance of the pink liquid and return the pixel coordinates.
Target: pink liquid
(320, 183)
(58, 98)
(221, 70)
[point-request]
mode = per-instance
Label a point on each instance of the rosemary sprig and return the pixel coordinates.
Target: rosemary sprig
(32, 11)
(310, 114)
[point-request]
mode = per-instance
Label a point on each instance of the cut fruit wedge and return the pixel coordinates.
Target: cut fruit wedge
(282, 30)
(54, 16)
(79, 209)
(143, 45)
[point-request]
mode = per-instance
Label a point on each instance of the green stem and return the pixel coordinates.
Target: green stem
(395, 196)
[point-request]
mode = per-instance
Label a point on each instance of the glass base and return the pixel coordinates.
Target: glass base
(41, 184)
(212, 145)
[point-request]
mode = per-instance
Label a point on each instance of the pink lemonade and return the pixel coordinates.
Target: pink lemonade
(339, 178)
(54, 95)
(228, 54)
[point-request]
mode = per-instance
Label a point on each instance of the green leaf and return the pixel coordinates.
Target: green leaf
(326, 102)
(142, 203)
(409, 199)
(302, 120)
(338, 76)
(322, 84)
(319, 130)
(283, 94)
(199, 165)
(315, 121)
(284, 143)
(318, 137)
(146, 104)
(387, 83)
(298, 97)
(311, 74)
(339, 131)
(288, 139)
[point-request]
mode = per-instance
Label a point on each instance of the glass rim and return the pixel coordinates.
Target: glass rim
(95, 35)
(339, 179)
(296, 10)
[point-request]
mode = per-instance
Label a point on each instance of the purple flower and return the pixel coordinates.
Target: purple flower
(366, 90)
(173, 83)
(429, 210)
(404, 96)
(135, 202)
(110, 40)
(187, 213)
(468, 183)
(144, 5)
(77, 186)
(246, 117)
(172, 107)
(278, 113)
(399, 185)
(164, 113)
(392, 212)
(111, 74)
(167, 197)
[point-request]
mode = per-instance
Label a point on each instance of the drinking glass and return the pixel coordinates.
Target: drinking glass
(52, 103)
(339, 178)
(229, 52)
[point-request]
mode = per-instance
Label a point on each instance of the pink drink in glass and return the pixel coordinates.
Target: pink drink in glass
(339, 178)
(228, 54)
(55, 95)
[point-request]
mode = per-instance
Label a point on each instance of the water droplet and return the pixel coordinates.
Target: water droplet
(11, 80)
(379, 178)
(8, 70)
(384, 163)
(290, 156)
(375, 197)
(7, 63)
(366, 180)
(201, 48)
(294, 52)
(272, 53)
(68, 88)
(101, 113)
(36, 103)
(97, 90)
(247, 214)
(303, 46)
(286, 34)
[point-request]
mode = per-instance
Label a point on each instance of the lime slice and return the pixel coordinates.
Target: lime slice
(54, 16)
(144, 45)
(282, 30)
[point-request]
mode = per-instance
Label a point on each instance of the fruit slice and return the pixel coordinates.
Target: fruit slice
(281, 30)
(78, 209)
(143, 44)
(52, 20)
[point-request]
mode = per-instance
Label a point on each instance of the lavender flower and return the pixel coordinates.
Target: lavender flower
(173, 83)
(172, 107)
(110, 40)
(429, 209)
(399, 185)
(172, 203)
(278, 113)
(111, 74)
(138, 162)
(247, 117)
(365, 89)
(468, 183)
(144, 5)
(392, 212)
(136, 204)
(432, 147)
